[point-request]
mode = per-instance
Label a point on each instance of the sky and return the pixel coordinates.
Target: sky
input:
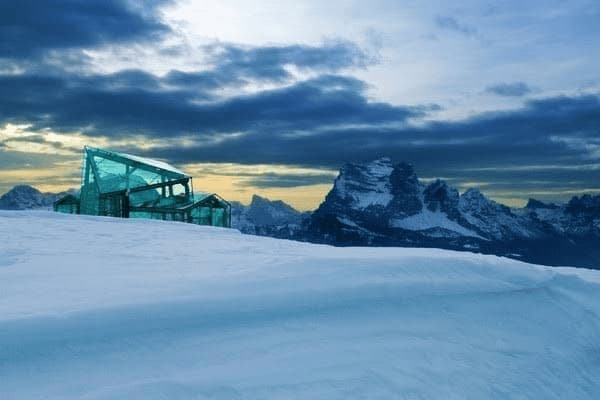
(273, 97)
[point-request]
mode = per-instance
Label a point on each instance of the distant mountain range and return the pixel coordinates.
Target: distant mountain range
(381, 204)
(25, 197)
(385, 204)
(269, 218)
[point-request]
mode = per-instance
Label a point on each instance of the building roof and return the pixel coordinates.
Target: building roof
(68, 199)
(154, 163)
(149, 162)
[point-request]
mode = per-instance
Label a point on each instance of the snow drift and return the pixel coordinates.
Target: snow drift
(101, 308)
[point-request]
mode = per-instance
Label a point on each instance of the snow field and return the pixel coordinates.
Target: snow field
(101, 308)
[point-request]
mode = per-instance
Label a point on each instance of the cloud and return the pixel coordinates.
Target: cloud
(478, 151)
(275, 180)
(526, 133)
(236, 65)
(17, 159)
(452, 24)
(514, 89)
(331, 56)
(135, 102)
(311, 115)
(30, 28)
(322, 121)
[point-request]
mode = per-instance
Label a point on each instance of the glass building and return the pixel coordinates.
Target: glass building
(68, 204)
(122, 185)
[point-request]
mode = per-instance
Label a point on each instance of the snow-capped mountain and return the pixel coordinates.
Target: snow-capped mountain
(380, 197)
(266, 218)
(380, 203)
(579, 217)
(495, 221)
(25, 197)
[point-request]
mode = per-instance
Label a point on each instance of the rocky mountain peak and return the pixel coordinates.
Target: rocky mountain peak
(259, 201)
(263, 216)
(263, 211)
(586, 204)
(24, 190)
(23, 197)
(363, 185)
(439, 196)
(473, 195)
(473, 201)
(406, 191)
(404, 178)
(533, 204)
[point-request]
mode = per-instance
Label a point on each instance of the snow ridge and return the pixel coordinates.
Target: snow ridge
(427, 219)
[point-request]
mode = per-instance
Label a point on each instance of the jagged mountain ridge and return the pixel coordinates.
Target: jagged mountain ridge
(379, 203)
(379, 196)
(383, 204)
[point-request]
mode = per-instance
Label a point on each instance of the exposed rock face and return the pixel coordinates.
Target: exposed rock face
(379, 203)
(361, 193)
(439, 196)
(534, 204)
(495, 221)
(263, 211)
(585, 205)
(406, 191)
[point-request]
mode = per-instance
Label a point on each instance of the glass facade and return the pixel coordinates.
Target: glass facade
(68, 205)
(122, 185)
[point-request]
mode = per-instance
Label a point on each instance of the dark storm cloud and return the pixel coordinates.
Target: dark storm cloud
(261, 61)
(544, 180)
(540, 131)
(514, 89)
(323, 121)
(135, 103)
(30, 28)
(236, 65)
(540, 134)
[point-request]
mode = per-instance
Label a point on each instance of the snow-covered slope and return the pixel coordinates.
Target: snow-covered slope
(101, 308)
(427, 220)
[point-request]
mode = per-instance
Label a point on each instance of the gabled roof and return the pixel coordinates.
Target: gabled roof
(67, 199)
(204, 199)
(140, 162)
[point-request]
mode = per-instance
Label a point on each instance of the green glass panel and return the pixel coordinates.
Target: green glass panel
(217, 217)
(66, 208)
(107, 175)
(149, 197)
